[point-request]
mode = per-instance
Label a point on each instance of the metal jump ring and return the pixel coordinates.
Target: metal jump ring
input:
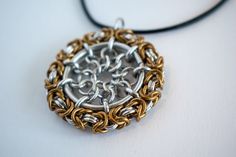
(119, 23)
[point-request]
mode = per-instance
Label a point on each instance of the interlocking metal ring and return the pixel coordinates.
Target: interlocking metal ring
(105, 79)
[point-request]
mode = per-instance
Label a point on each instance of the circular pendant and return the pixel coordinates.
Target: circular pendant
(105, 79)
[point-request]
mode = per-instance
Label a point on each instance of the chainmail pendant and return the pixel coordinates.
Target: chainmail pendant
(105, 79)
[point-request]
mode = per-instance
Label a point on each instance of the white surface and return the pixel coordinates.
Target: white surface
(196, 116)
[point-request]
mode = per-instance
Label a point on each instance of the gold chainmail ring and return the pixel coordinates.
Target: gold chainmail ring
(101, 121)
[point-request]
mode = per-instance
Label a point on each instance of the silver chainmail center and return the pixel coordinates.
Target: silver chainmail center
(104, 75)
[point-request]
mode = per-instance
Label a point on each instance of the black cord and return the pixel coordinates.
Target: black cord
(157, 30)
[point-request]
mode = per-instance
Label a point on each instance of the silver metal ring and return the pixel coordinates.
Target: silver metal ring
(119, 23)
(82, 54)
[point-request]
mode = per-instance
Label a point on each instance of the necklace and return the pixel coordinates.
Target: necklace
(109, 77)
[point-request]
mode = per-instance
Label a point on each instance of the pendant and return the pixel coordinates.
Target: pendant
(105, 79)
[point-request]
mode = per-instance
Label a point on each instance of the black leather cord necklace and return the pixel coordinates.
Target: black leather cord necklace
(156, 30)
(109, 77)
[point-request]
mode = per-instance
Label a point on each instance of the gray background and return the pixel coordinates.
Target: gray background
(195, 117)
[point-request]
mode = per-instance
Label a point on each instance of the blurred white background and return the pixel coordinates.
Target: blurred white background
(195, 117)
